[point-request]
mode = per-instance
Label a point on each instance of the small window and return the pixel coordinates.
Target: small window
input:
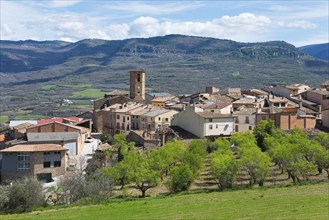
(57, 163)
(210, 127)
(159, 118)
(250, 128)
(118, 116)
(46, 153)
(247, 119)
(216, 126)
(57, 152)
(167, 119)
(46, 164)
(127, 118)
(212, 110)
(236, 128)
(210, 119)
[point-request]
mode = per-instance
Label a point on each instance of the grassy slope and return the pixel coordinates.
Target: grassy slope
(300, 202)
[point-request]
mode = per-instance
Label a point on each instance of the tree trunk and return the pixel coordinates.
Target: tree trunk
(143, 192)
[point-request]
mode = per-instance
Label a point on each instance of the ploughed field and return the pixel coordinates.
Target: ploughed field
(276, 202)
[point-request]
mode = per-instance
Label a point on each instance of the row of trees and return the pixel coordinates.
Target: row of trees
(293, 152)
(146, 169)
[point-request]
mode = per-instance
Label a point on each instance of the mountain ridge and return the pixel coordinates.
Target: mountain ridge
(169, 59)
(320, 51)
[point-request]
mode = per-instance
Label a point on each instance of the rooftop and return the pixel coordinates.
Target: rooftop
(14, 123)
(52, 136)
(154, 113)
(245, 101)
(49, 120)
(245, 111)
(213, 115)
(34, 148)
(23, 126)
(321, 92)
(164, 98)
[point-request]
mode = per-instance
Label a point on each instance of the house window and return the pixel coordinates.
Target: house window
(216, 126)
(212, 110)
(57, 152)
(226, 127)
(57, 163)
(118, 125)
(159, 118)
(46, 164)
(149, 126)
(210, 119)
(124, 119)
(167, 119)
(236, 128)
(247, 119)
(127, 118)
(118, 116)
(138, 77)
(210, 127)
(23, 162)
(46, 153)
(250, 128)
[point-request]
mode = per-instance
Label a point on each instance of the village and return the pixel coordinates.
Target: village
(52, 147)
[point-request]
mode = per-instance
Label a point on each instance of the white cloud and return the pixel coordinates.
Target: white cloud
(167, 8)
(299, 24)
(240, 27)
(6, 30)
(63, 3)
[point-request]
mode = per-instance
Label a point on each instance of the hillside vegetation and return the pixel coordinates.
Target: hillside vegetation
(298, 202)
(35, 73)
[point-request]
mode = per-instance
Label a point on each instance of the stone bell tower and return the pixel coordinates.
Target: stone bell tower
(137, 84)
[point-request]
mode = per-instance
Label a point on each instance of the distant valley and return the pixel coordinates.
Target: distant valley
(38, 75)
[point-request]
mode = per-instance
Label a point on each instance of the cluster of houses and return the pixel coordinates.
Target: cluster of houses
(47, 148)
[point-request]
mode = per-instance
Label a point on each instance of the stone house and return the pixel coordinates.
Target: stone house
(71, 136)
(245, 119)
(204, 124)
(318, 96)
(286, 118)
(42, 161)
(157, 118)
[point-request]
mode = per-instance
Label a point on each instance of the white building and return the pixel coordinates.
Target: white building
(203, 123)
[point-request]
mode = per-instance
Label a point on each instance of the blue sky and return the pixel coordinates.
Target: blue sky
(297, 22)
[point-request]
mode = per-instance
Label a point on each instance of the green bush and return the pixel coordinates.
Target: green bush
(181, 178)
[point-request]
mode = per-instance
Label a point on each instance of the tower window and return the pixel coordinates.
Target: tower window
(138, 77)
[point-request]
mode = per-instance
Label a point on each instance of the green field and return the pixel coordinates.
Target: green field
(88, 93)
(4, 118)
(79, 86)
(293, 202)
(29, 117)
(48, 87)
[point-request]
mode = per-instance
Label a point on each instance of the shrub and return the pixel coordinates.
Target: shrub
(181, 178)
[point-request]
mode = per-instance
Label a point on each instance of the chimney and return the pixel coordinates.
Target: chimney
(320, 108)
(300, 104)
